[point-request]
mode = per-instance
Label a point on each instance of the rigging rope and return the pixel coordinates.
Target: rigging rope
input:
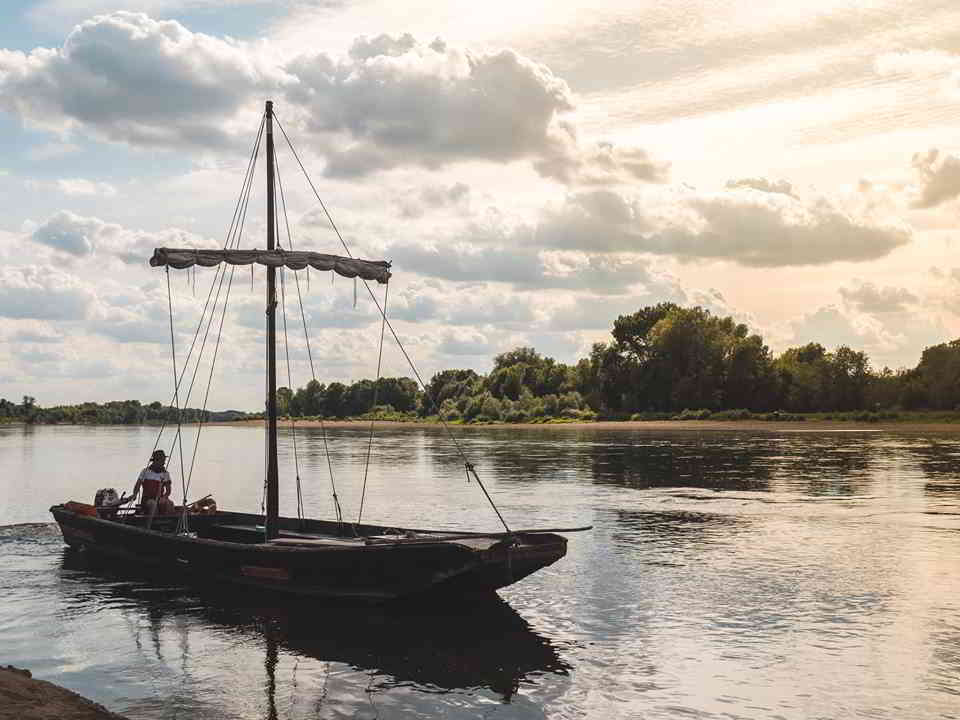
(306, 336)
(376, 393)
(293, 423)
(173, 355)
(234, 234)
(286, 338)
(237, 227)
(236, 230)
(467, 464)
(248, 177)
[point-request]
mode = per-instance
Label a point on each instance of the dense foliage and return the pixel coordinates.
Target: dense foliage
(121, 412)
(662, 361)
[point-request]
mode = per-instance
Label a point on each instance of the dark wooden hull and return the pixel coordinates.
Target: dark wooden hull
(227, 549)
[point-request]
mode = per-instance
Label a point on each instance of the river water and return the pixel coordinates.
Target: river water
(728, 575)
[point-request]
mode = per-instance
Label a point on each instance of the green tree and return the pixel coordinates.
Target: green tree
(939, 375)
(284, 399)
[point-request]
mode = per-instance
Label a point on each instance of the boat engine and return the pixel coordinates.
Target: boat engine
(107, 502)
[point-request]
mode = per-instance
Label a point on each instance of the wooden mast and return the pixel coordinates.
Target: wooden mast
(272, 492)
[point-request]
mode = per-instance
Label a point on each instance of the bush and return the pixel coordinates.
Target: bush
(702, 414)
(650, 415)
(449, 410)
(738, 414)
(491, 408)
(516, 415)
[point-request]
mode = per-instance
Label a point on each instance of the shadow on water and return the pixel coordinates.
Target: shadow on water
(447, 646)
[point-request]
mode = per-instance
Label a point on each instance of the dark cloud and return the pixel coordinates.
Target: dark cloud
(604, 164)
(871, 299)
(522, 267)
(742, 225)
(939, 178)
(434, 197)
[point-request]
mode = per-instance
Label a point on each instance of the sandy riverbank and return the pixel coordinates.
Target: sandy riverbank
(641, 425)
(24, 698)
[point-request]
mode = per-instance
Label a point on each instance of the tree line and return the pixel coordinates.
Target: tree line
(119, 412)
(661, 361)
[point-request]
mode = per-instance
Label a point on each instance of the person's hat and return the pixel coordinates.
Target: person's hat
(158, 455)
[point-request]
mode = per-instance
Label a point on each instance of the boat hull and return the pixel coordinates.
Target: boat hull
(226, 550)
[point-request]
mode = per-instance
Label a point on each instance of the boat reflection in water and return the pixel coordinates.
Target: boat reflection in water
(477, 644)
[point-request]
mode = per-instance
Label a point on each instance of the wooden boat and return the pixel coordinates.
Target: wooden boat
(300, 556)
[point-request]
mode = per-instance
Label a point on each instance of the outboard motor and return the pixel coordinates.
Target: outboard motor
(107, 503)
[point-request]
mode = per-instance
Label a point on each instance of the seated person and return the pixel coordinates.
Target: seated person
(155, 482)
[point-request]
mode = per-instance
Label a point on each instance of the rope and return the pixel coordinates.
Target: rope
(467, 464)
(236, 231)
(293, 423)
(286, 339)
(244, 190)
(306, 337)
(237, 226)
(206, 397)
(176, 385)
(376, 393)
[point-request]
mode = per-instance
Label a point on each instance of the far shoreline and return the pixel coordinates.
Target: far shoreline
(635, 425)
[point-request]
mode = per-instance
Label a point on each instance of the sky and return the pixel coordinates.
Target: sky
(531, 169)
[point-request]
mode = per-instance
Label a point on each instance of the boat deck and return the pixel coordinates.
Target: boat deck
(313, 539)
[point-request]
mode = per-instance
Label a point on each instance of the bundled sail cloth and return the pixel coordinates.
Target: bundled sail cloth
(378, 270)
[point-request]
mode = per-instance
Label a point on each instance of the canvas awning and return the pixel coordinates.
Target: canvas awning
(378, 270)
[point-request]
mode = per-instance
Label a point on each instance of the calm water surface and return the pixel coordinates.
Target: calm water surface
(729, 575)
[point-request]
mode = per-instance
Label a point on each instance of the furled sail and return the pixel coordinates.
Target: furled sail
(378, 270)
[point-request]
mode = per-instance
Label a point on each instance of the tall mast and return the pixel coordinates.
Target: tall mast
(271, 519)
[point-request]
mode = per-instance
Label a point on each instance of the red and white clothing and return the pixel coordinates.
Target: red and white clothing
(153, 482)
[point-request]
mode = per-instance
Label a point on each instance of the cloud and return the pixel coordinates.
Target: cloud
(43, 293)
(917, 62)
(522, 267)
(869, 298)
(388, 102)
(831, 326)
(82, 236)
(129, 78)
(604, 164)
(45, 363)
(400, 101)
(417, 301)
(416, 203)
(764, 185)
(939, 178)
(593, 312)
(463, 341)
(32, 331)
(82, 186)
(68, 233)
(889, 335)
(743, 225)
